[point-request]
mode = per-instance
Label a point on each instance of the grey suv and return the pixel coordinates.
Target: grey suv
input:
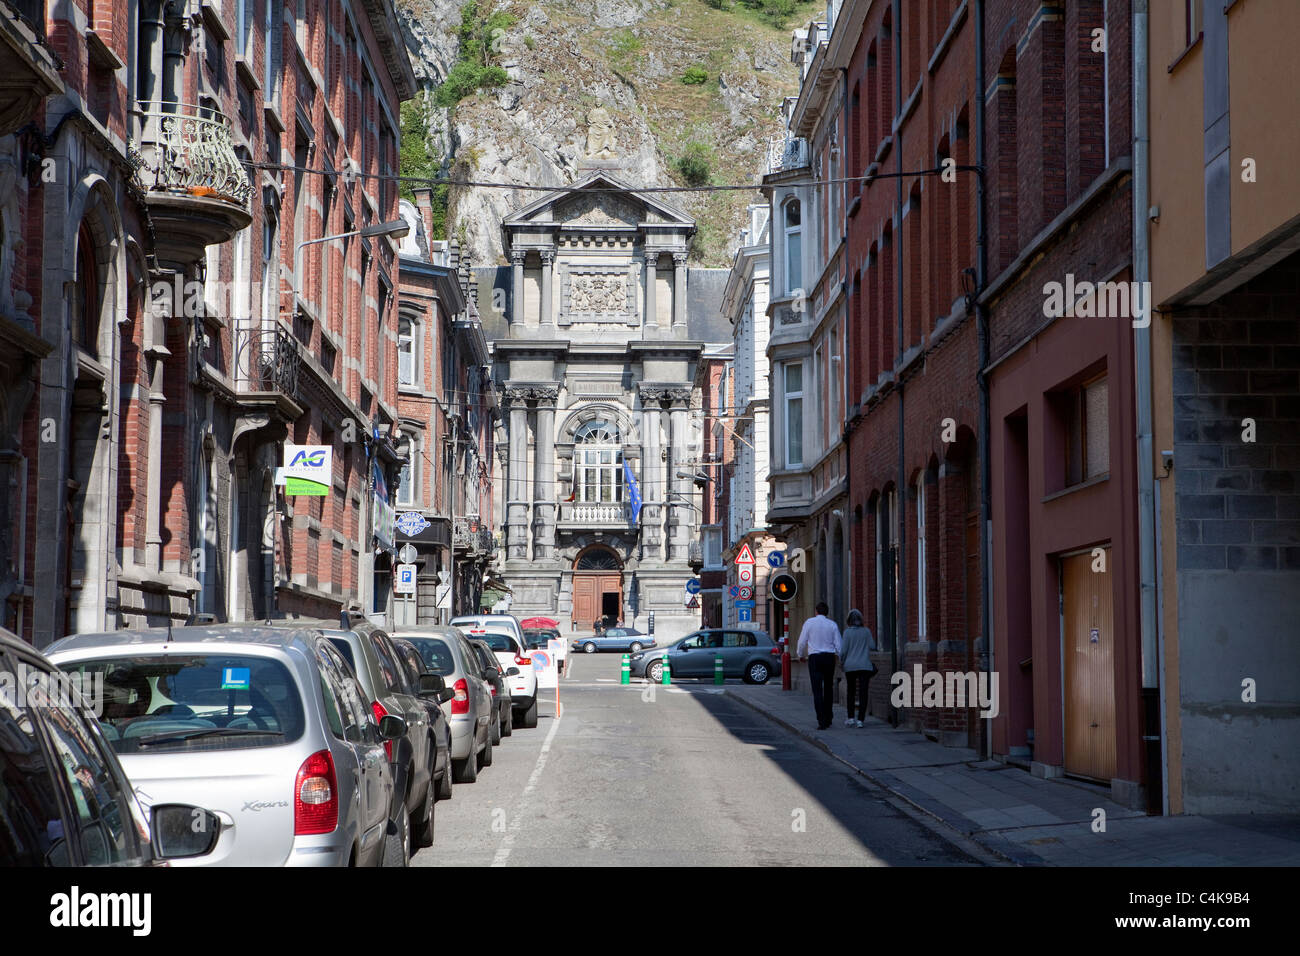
(263, 725)
(748, 654)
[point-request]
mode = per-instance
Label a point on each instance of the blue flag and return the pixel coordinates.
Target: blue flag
(633, 492)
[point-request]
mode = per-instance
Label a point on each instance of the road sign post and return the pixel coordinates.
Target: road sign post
(667, 676)
(627, 670)
(718, 677)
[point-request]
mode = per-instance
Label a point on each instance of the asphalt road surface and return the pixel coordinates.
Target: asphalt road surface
(682, 776)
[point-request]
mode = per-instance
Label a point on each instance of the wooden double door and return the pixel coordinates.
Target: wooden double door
(597, 594)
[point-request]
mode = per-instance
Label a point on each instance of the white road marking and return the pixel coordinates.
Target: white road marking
(512, 831)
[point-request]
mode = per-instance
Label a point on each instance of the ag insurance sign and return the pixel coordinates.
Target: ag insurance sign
(308, 469)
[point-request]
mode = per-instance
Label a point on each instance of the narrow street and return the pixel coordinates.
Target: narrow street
(689, 778)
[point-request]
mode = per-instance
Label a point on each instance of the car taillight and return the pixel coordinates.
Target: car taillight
(493, 689)
(380, 714)
(460, 703)
(523, 661)
(316, 796)
(775, 651)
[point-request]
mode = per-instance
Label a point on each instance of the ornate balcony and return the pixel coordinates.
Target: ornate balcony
(467, 534)
(266, 360)
(609, 514)
(197, 190)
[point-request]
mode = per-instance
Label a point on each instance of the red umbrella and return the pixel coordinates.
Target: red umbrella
(532, 623)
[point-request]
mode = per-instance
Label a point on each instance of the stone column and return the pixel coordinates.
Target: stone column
(679, 292)
(680, 507)
(651, 313)
(652, 487)
(517, 499)
(548, 270)
(517, 287)
(544, 496)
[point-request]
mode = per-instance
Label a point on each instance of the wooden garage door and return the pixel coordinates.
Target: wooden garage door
(1088, 646)
(586, 599)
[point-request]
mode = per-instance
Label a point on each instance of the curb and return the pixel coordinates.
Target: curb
(1005, 852)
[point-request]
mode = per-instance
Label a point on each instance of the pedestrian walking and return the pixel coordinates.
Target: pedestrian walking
(819, 644)
(858, 642)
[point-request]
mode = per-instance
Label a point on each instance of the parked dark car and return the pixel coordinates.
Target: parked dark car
(433, 690)
(751, 655)
(503, 714)
(373, 659)
(64, 798)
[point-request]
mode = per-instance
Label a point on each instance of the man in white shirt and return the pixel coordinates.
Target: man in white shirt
(819, 645)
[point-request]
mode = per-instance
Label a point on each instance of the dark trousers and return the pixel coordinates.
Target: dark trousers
(857, 689)
(821, 672)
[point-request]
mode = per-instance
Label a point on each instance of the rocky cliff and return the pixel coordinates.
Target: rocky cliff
(693, 89)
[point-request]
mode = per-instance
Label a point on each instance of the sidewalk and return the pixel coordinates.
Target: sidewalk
(1022, 818)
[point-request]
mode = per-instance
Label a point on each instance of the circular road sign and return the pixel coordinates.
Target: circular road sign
(745, 573)
(783, 586)
(693, 586)
(746, 593)
(407, 554)
(776, 559)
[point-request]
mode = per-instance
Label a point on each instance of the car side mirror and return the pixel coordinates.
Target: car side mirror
(391, 727)
(182, 832)
(431, 684)
(512, 672)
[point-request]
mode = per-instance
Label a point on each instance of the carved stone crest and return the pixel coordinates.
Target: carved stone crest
(599, 293)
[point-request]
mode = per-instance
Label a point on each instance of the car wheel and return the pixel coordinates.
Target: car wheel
(485, 758)
(423, 825)
(635, 648)
(467, 769)
(496, 730)
(508, 724)
(397, 844)
(530, 715)
(757, 673)
(444, 788)
(589, 648)
(655, 672)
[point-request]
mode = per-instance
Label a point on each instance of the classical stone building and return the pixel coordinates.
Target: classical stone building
(596, 353)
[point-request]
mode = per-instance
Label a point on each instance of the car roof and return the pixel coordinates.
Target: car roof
(278, 638)
(9, 641)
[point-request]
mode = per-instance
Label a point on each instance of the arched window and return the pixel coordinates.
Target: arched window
(793, 246)
(85, 300)
(598, 463)
(597, 558)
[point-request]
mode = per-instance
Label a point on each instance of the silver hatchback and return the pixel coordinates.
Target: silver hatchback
(265, 726)
(446, 652)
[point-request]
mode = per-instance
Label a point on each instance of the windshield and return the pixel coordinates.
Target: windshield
(436, 655)
(195, 702)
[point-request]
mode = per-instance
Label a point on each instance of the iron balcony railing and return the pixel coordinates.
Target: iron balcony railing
(187, 150)
(266, 360)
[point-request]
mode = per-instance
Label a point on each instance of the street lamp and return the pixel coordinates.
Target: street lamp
(397, 228)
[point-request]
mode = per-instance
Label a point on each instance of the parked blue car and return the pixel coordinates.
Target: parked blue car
(614, 639)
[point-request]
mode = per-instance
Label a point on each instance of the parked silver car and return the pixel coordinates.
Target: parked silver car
(264, 726)
(445, 651)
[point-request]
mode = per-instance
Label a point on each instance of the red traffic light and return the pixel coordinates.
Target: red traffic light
(783, 586)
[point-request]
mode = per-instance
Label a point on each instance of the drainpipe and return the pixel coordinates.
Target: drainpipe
(900, 557)
(982, 335)
(1153, 728)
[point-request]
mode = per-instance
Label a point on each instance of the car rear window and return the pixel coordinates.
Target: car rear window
(500, 643)
(195, 702)
(436, 655)
(344, 648)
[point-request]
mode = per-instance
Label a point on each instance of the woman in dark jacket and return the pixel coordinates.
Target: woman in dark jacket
(858, 643)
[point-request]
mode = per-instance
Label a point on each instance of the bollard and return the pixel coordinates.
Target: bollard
(627, 669)
(668, 670)
(785, 665)
(718, 677)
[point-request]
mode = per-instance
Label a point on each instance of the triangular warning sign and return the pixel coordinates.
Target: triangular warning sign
(693, 602)
(746, 556)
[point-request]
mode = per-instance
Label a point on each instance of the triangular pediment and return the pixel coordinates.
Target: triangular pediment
(599, 199)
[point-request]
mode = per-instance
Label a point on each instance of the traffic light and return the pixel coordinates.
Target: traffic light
(783, 586)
